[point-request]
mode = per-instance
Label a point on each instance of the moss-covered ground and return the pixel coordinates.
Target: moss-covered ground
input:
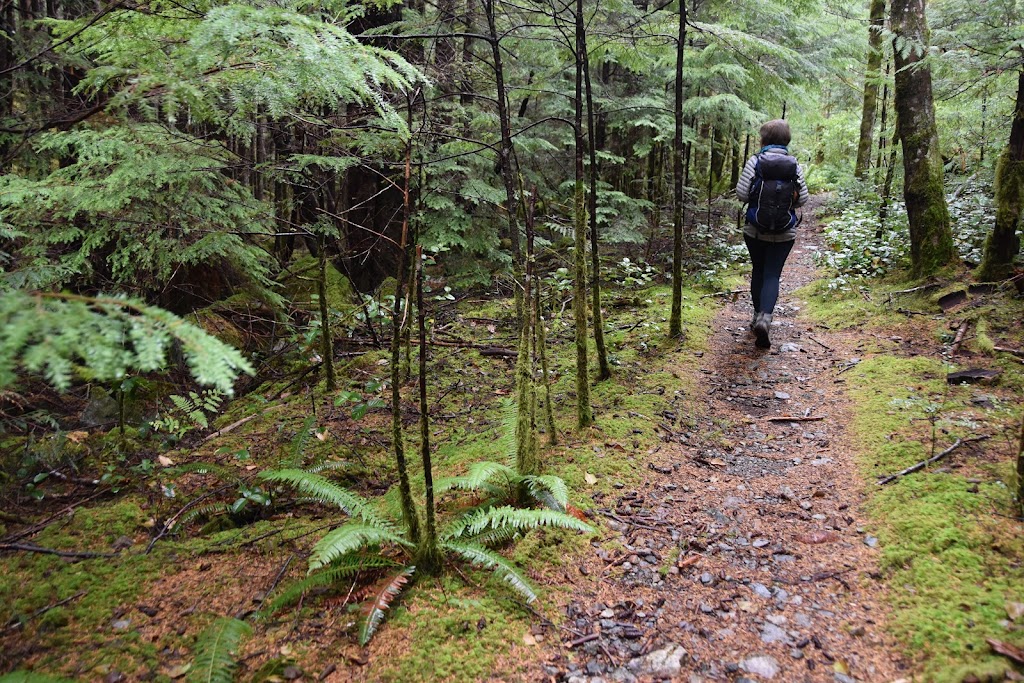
(952, 553)
(138, 612)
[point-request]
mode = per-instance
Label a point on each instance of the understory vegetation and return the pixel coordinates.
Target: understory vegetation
(326, 326)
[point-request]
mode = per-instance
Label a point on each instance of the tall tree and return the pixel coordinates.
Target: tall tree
(871, 76)
(931, 241)
(675, 323)
(584, 412)
(1003, 244)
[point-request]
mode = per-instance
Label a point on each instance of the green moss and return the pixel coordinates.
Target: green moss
(301, 286)
(464, 634)
(951, 569)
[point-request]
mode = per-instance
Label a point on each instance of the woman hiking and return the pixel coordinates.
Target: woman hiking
(773, 184)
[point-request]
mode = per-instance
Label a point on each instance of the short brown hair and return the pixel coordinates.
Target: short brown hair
(775, 132)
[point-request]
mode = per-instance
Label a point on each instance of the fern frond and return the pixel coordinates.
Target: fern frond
(476, 523)
(507, 439)
(208, 511)
(341, 569)
(326, 466)
(215, 651)
(480, 473)
(481, 557)
(298, 444)
(549, 490)
(348, 538)
(390, 590)
(326, 491)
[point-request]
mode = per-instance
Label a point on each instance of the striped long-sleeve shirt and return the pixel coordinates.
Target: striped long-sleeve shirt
(743, 193)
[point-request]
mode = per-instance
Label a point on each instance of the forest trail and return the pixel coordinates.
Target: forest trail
(775, 577)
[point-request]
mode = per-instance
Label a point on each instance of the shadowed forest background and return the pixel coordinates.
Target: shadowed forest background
(371, 303)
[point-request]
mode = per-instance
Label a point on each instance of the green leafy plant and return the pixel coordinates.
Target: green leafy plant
(361, 402)
(188, 413)
(216, 649)
(372, 542)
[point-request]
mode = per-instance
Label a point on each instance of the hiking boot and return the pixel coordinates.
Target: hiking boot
(762, 323)
(753, 320)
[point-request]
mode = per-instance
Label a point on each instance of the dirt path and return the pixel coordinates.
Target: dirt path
(774, 574)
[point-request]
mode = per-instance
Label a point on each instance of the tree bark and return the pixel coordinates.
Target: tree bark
(675, 324)
(931, 242)
(505, 157)
(874, 64)
(584, 412)
(1003, 244)
(603, 371)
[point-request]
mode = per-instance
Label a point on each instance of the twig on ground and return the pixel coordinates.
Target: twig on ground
(169, 524)
(732, 292)
(820, 343)
(1006, 349)
(796, 418)
(80, 554)
(36, 528)
(278, 577)
(580, 641)
(929, 461)
(16, 623)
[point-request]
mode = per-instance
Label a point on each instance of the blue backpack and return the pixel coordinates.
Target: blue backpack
(773, 194)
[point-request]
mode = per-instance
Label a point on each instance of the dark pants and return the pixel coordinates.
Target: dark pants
(768, 258)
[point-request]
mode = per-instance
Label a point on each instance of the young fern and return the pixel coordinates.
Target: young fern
(328, 492)
(341, 569)
(487, 559)
(215, 651)
(390, 590)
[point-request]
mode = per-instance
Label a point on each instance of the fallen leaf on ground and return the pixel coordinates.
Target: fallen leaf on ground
(590, 478)
(528, 639)
(816, 537)
(1008, 649)
(1014, 610)
(164, 460)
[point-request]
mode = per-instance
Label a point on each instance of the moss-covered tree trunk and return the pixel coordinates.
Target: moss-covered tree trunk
(398, 320)
(675, 321)
(871, 74)
(1020, 470)
(603, 370)
(326, 335)
(931, 241)
(1003, 244)
(428, 554)
(584, 412)
(527, 462)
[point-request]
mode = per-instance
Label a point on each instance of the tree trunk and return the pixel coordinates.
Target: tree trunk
(1003, 244)
(603, 371)
(428, 554)
(584, 413)
(412, 520)
(505, 157)
(867, 119)
(931, 242)
(675, 324)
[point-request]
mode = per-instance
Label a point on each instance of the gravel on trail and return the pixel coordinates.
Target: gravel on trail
(745, 554)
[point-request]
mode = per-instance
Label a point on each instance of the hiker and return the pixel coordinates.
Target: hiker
(773, 184)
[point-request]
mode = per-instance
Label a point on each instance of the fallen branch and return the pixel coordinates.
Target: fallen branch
(16, 623)
(959, 338)
(734, 292)
(795, 418)
(79, 554)
(1006, 349)
(924, 463)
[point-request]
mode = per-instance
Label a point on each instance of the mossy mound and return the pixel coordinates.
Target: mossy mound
(300, 285)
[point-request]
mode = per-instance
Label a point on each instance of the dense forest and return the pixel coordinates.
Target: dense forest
(336, 336)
